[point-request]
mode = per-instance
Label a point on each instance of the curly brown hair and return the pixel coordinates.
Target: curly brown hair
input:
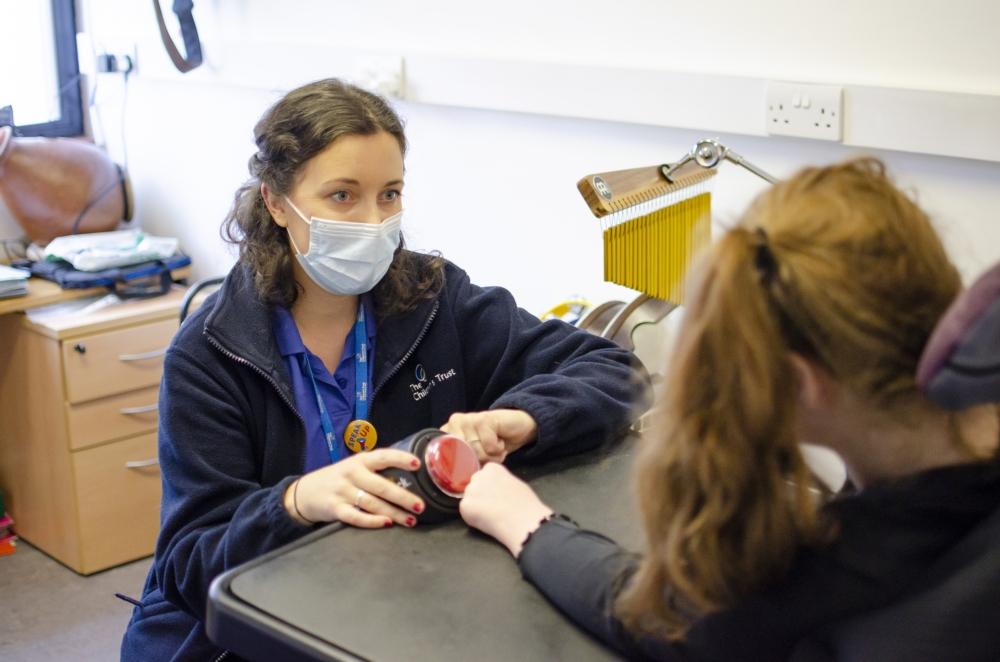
(296, 128)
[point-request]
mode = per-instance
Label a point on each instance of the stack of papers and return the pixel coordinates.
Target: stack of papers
(74, 308)
(13, 282)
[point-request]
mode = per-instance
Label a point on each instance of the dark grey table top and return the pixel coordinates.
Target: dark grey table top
(441, 592)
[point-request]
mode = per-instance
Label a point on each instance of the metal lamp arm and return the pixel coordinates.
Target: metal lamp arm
(739, 160)
(709, 153)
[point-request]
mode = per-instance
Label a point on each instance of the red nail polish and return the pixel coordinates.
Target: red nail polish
(387, 524)
(418, 508)
(415, 464)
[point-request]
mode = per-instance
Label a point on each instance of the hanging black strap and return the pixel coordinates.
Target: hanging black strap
(189, 32)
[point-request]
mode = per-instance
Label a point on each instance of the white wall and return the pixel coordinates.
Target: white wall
(495, 191)
(924, 44)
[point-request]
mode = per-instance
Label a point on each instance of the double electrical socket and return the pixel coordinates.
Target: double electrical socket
(108, 63)
(121, 62)
(805, 111)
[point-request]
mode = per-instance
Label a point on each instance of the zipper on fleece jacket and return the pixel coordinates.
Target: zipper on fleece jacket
(399, 364)
(260, 371)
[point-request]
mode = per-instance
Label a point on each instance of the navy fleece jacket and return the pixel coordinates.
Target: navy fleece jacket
(231, 441)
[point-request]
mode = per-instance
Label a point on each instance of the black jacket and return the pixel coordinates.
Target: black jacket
(914, 575)
(231, 441)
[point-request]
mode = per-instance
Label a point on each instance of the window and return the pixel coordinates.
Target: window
(40, 83)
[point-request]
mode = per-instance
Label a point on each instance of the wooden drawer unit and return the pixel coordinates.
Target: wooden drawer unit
(78, 397)
(114, 417)
(115, 361)
(113, 527)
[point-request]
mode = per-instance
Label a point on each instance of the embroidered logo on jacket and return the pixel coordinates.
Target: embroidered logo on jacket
(424, 385)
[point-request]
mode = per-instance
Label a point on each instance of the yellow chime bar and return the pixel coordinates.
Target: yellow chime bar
(653, 227)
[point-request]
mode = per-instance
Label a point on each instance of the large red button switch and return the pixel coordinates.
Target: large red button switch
(450, 463)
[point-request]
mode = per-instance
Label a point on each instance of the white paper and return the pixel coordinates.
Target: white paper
(12, 274)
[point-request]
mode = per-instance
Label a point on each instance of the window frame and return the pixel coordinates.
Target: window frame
(70, 122)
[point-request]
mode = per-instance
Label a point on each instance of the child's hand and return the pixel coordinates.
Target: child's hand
(494, 433)
(503, 506)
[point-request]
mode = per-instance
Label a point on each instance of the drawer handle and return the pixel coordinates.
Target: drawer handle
(142, 357)
(145, 409)
(139, 464)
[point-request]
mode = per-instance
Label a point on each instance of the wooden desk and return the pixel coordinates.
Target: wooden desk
(78, 419)
(439, 592)
(43, 292)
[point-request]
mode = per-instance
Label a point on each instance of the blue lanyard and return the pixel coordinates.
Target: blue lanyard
(360, 385)
(360, 366)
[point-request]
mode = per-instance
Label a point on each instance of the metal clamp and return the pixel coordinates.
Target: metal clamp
(708, 153)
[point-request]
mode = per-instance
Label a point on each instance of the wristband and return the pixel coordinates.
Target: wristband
(295, 503)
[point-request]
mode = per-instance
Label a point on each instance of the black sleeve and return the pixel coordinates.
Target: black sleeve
(581, 389)
(215, 514)
(581, 572)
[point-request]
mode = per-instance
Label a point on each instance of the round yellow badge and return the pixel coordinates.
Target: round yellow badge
(360, 435)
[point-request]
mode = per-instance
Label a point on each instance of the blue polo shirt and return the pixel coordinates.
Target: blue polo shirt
(337, 389)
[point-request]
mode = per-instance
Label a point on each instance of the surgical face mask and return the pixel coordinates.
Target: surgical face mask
(345, 257)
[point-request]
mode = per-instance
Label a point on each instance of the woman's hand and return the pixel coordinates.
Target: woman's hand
(351, 492)
(494, 433)
(503, 506)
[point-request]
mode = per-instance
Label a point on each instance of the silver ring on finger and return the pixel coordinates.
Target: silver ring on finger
(357, 498)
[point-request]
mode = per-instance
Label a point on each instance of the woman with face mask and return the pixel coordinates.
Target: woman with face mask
(805, 322)
(329, 341)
